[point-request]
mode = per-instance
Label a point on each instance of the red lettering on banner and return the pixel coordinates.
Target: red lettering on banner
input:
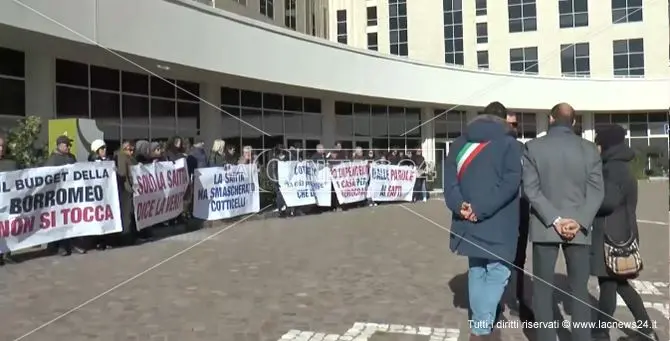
(145, 210)
(176, 177)
(393, 191)
(353, 192)
(402, 175)
(48, 220)
(87, 214)
(350, 171)
(346, 183)
(148, 183)
(16, 226)
(152, 208)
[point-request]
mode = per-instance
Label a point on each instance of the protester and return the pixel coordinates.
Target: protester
(616, 222)
(98, 151)
(482, 174)
(358, 154)
(393, 157)
(61, 156)
(217, 155)
(175, 149)
(562, 179)
(6, 165)
(279, 154)
(98, 154)
(231, 156)
(420, 185)
(125, 160)
(320, 155)
(247, 156)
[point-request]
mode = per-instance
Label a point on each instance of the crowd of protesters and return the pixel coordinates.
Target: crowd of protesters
(196, 155)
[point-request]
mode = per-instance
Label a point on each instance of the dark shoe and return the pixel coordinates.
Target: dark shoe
(8, 259)
(525, 313)
(64, 252)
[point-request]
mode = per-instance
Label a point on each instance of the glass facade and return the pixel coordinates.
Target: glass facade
(127, 105)
(12, 83)
(647, 135)
(288, 120)
(377, 126)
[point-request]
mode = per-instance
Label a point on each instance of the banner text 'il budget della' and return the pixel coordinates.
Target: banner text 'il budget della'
(158, 191)
(43, 205)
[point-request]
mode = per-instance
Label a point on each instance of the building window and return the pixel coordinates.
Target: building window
(398, 27)
(12, 83)
(288, 119)
(628, 55)
(480, 7)
(127, 105)
(267, 8)
(524, 60)
(372, 41)
(379, 126)
(573, 13)
(290, 14)
(483, 60)
(453, 32)
(342, 26)
(527, 126)
(624, 11)
(372, 16)
(482, 33)
(575, 60)
(522, 15)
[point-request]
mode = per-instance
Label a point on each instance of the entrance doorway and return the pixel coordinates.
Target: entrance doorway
(441, 152)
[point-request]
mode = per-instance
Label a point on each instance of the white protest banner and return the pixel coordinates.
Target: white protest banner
(225, 192)
(350, 180)
(321, 184)
(391, 183)
(299, 180)
(47, 204)
(158, 191)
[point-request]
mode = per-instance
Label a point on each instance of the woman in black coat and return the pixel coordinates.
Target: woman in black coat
(616, 219)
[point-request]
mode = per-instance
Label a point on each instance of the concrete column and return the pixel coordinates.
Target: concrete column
(328, 122)
(470, 115)
(428, 134)
(541, 123)
(211, 121)
(41, 88)
(588, 130)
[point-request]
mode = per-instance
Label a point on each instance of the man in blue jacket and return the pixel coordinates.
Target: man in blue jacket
(482, 175)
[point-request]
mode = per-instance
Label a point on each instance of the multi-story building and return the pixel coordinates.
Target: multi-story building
(155, 68)
(304, 16)
(568, 38)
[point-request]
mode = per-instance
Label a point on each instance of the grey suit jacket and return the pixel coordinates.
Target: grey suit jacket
(562, 177)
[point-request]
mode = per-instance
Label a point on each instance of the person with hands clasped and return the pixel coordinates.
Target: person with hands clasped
(482, 175)
(563, 181)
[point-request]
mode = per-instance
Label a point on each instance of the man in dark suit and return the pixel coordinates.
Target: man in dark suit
(563, 181)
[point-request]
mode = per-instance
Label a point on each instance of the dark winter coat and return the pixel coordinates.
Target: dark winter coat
(491, 185)
(59, 159)
(616, 217)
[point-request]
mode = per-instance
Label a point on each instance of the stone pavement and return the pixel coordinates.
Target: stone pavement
(343, 276)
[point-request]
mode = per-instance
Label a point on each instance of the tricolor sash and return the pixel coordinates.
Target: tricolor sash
(465, 156)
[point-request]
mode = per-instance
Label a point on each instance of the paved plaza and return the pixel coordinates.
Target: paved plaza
(381, 274)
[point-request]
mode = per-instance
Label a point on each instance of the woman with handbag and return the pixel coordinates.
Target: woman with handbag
(615, 256)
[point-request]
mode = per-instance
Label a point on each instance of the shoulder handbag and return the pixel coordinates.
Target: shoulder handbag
(623, 259)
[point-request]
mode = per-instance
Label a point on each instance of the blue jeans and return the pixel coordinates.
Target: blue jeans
(487, 280)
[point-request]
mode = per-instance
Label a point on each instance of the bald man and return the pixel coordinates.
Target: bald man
(563, 182)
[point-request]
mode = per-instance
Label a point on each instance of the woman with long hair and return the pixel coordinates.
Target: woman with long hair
(217, 156)
(616, 222)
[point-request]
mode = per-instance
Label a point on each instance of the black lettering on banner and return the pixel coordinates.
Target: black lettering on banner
(61, 196)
